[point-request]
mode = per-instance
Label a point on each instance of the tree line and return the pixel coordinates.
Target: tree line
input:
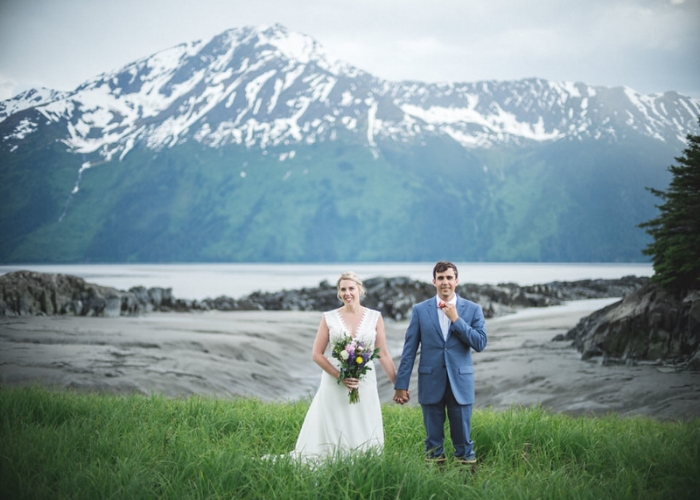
(675, 249)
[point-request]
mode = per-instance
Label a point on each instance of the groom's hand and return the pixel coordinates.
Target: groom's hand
(450, 311)
(401, 396)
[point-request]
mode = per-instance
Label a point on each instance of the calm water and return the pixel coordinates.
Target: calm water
(199, 281)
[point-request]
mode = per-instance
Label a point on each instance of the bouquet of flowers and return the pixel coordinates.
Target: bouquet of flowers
(354, 355)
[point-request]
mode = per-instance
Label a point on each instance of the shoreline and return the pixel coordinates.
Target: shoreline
(267, 354)
(199, 281)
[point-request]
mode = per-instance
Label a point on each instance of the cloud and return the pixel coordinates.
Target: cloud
(649, 45)
(8, 88)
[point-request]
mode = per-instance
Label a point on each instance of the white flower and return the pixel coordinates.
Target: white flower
(344, 354)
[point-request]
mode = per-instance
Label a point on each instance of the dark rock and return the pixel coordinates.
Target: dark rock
(395, 297)
(24, 293)
(650, 325)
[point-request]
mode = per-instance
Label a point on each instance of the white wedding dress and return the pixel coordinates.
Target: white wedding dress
(332, 425)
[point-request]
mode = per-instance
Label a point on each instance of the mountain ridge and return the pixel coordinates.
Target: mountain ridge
(181, 86)
(258, 117)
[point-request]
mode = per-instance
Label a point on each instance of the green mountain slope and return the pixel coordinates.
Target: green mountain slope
(333, 201)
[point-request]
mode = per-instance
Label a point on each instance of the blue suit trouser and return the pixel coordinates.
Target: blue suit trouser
(460, 417)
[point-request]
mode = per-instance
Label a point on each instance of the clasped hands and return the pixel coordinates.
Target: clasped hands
(402, 396)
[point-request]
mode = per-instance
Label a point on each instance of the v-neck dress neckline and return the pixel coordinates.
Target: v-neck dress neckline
(359, 325)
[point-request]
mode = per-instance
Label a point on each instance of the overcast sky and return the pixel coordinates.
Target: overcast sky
(648, 45)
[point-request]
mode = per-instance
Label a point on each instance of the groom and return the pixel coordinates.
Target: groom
(447, 327)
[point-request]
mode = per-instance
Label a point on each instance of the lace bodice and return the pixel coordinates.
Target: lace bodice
(366, 330)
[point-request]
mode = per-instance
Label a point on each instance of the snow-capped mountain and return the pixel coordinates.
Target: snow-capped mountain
(28, 99)
(255, 145)
(263, 87)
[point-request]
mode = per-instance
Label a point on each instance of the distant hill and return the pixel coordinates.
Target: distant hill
(257, 146)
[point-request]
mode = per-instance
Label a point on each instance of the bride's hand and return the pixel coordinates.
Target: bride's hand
(402, 396)
(351, 383)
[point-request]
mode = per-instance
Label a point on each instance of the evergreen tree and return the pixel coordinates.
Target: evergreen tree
(675, 251)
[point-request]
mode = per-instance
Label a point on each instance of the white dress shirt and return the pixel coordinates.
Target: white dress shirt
(444, 320)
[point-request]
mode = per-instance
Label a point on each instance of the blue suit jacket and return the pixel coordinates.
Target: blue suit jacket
(440, 358)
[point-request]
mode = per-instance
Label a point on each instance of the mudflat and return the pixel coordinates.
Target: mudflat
(267, 354)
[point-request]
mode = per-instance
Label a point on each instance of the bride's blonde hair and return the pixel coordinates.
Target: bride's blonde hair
(349, 275)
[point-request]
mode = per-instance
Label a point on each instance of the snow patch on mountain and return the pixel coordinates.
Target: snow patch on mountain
(28, 99)
(22, 130)
(269, 87)
(455, 122)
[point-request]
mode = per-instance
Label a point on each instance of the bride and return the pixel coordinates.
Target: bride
(333, 425)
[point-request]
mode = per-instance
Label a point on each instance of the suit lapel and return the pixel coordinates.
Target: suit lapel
(461, 307)
(432, 307)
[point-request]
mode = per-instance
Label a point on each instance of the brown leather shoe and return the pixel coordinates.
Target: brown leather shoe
(436, 461)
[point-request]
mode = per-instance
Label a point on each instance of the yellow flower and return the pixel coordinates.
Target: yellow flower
(359, 360)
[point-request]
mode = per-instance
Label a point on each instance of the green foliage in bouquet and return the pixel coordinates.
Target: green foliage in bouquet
(354, 356)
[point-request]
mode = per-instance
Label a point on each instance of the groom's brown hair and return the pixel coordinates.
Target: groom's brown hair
(443, 266)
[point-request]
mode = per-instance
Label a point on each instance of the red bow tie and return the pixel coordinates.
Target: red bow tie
(441, 304)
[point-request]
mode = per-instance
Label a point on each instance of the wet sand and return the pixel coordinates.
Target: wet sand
(267, 354)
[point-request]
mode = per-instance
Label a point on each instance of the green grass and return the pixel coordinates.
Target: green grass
(60, 444)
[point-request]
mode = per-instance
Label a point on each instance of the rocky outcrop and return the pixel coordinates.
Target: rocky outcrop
(506, 298)
(395, 297)
(650, 325)
(26, 293)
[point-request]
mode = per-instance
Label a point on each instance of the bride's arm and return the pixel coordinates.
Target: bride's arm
(318, 356)
(385, 358)
(319, 348)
